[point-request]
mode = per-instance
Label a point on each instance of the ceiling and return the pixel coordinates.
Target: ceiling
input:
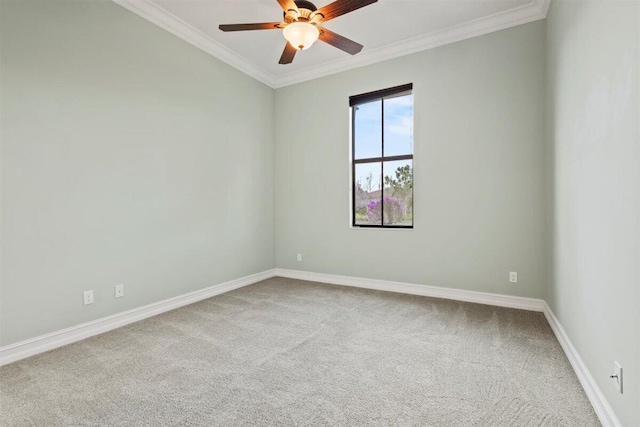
(387, 29)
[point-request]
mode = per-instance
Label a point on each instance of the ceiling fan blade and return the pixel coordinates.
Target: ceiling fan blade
(340, 7)
(288, 54)
(247, 27)
(339, 41)
(287, 5)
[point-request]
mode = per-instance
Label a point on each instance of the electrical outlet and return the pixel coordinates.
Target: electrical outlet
(118, 291)
(617, 376)
(299, 257)
(88, 297)
(513, 277)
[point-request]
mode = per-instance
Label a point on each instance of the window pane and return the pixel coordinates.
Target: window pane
(367, 194)
(398, 193)
(368, 130)
(398, 125)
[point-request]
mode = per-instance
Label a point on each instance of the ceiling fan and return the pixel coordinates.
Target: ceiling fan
(301, 26)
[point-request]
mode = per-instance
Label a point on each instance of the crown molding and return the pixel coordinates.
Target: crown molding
(176, 26)
(545, 5)
(147, 9)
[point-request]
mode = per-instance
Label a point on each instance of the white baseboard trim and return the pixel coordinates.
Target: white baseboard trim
(23, 349)
(40, 344)
(33, 346)
(530, 304)
(598, 401)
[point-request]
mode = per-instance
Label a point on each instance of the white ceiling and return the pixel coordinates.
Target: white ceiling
(387, 29)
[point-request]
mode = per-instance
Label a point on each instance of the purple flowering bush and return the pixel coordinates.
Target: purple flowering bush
(393, 211)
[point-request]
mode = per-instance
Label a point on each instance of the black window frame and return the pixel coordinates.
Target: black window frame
(364, 99)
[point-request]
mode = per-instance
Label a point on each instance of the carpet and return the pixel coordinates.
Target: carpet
(285, 352)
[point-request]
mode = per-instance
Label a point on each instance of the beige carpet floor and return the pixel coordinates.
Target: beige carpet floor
(285, 352)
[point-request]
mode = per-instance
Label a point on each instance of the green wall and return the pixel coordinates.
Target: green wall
(479, 169)
(128, 156)
(594, 188)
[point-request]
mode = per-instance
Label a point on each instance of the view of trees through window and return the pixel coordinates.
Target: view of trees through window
(383, 158)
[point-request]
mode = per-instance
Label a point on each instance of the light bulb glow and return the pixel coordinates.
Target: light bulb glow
(301, 35)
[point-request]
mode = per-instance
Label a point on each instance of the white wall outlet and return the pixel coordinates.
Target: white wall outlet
(88, 297)
(118, 291)
(513, 277)
(617, 376)
(299, 257)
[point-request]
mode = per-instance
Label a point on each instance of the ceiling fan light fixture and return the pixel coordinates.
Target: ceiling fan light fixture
(301, 35)
(301, 26)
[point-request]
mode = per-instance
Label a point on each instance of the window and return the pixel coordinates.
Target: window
(382, 158)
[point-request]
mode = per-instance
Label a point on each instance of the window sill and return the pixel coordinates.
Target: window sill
(356, 227)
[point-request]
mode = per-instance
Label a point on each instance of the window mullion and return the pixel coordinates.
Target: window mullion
(385, 159)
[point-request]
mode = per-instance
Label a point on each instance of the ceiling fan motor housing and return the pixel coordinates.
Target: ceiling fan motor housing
(305, 9)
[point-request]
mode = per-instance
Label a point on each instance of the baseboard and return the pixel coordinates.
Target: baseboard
(598, 401)
(23, 349)
(530, 304)
(33, 346)
(57, 339)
